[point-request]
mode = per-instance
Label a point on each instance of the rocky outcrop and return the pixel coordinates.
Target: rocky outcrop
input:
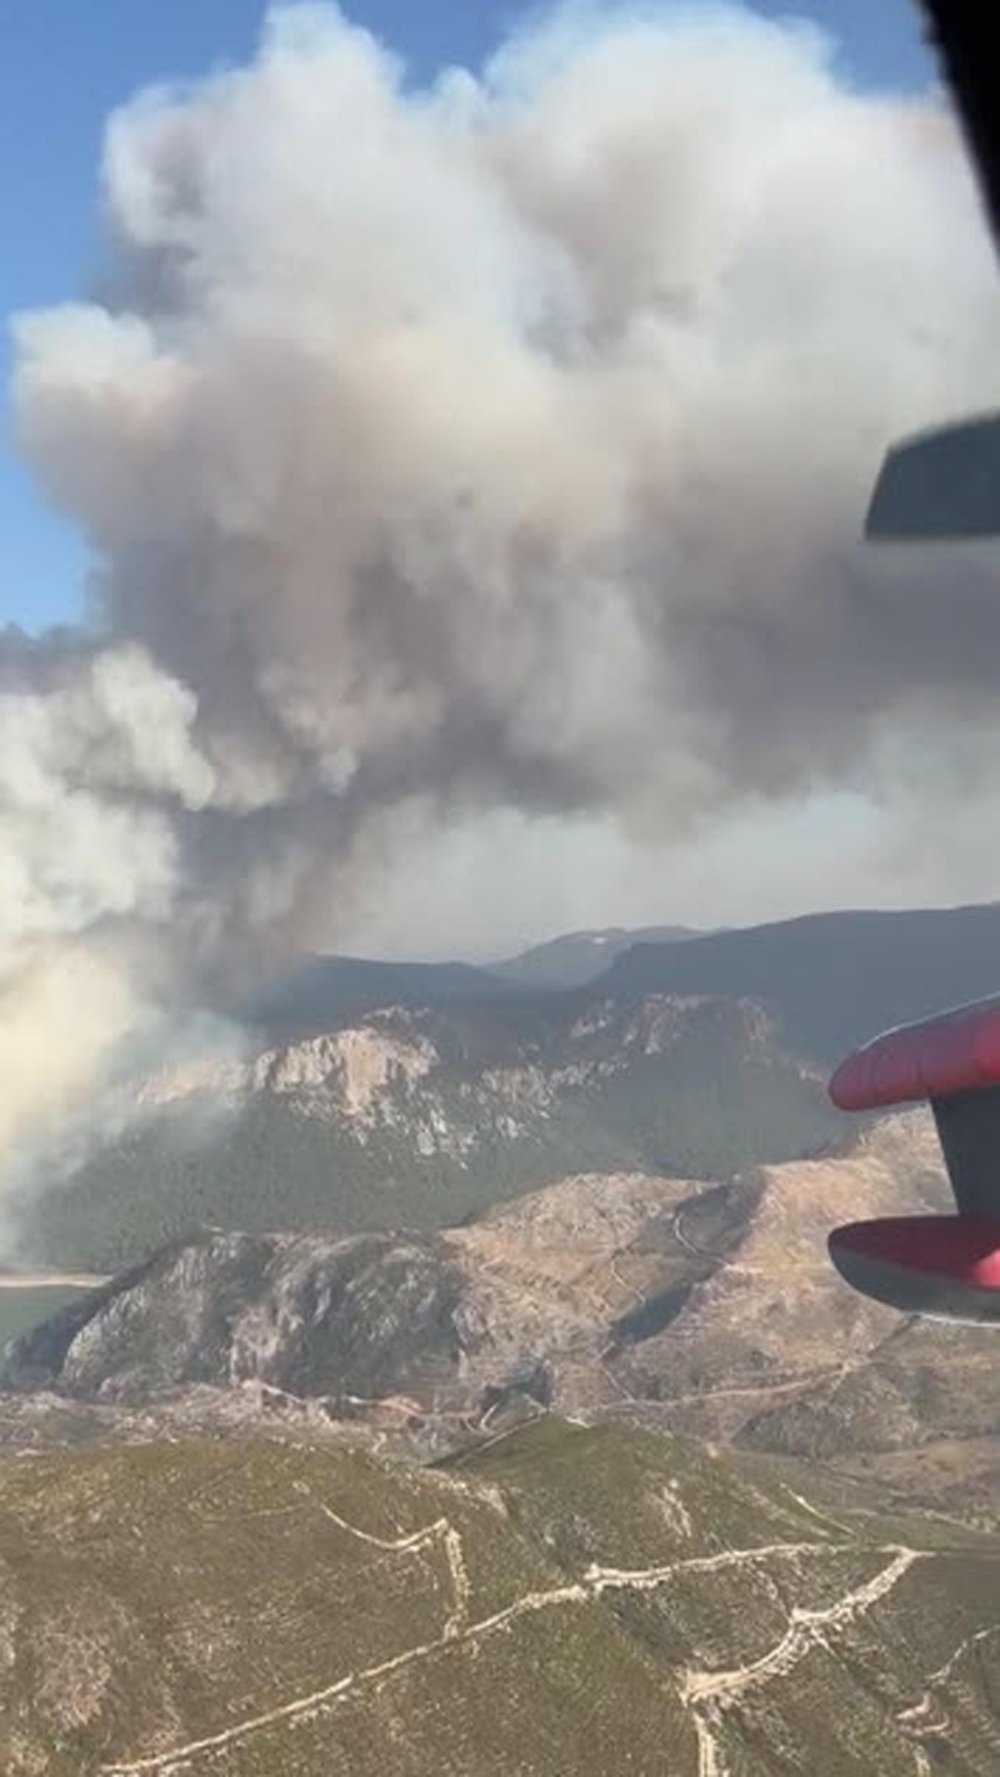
(360, 1317)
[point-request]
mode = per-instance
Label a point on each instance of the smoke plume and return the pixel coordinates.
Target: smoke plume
(501, 444)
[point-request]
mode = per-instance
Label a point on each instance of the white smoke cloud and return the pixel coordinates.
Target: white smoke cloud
(502, 444)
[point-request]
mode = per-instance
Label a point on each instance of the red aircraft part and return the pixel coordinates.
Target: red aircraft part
(947, 1266)
(957, 1052)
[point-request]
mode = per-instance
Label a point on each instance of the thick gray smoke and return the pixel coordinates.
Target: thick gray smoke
(499, 444)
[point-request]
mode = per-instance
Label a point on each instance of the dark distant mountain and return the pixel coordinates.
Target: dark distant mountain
(578, 958)
(832, 979)
(325, 992)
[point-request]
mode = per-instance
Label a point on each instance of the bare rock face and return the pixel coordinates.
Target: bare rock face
(308, 1314)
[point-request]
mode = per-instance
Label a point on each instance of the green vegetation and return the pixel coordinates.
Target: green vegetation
(276, 1168)
(562, 1601)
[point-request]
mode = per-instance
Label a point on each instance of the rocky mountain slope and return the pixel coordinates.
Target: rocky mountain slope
(386, 1095)
(563, 1600)
(422, 1117)
(708, 1308)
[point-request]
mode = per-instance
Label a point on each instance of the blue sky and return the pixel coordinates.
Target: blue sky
(64, 64)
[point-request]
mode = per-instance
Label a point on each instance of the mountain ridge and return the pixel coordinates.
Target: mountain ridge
(833, 979)
(576, 959)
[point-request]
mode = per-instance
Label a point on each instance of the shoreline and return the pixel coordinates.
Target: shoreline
(50, 1280)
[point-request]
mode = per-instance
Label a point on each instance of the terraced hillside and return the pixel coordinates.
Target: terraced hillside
(561, 1601)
